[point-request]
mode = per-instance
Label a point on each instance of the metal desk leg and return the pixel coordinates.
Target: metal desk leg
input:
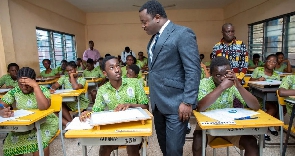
(204, 142)
(261, 144)
(84, 150)
(289, 130)
(263, 107)
(39, 138)
(79, 105)
(144, 146)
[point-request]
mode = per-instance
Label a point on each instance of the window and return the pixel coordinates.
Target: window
(55, 46)
(273, 35)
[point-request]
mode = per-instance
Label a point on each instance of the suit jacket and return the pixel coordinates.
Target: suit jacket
(174, 73)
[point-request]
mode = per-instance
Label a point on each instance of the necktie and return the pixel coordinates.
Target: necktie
(154, 45)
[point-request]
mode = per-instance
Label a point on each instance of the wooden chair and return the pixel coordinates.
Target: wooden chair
(56, 105)
(220, 143)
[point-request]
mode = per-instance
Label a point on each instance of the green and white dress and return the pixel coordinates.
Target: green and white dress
(131, 91)
(8, 81)
(92, 73)
(288, 82)
(259, 72)
(65, 80)
(18, 143)
(51, 74)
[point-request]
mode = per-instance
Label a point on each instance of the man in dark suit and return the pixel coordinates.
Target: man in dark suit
(174, 76)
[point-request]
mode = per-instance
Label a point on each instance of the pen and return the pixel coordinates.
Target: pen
(87, 115)
(246, 118)
(22, 120)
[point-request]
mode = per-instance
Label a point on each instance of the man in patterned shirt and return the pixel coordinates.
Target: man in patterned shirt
(234, 50)
(118, 94)
(218, 92)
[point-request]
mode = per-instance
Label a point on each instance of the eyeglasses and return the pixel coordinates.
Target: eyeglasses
(272, 62)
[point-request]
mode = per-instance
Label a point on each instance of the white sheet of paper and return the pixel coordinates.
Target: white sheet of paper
(62, 91)
(17, 114)
(224, 114)
(76, 124)
(4, 90)
(268, 82)
(110, 117)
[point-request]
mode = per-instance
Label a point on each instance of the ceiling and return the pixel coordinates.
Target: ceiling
(127, 5)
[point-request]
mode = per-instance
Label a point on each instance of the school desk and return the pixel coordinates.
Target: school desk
(72, 97)
(29, 122)
(290, 125)
(107, 135)
(266, 94)
(94, 82)
(48, 82)
(257, 126)
(146, 90)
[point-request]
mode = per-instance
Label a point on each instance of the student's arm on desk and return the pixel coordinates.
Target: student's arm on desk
(286, 92)
(74, 83)
(122, 107)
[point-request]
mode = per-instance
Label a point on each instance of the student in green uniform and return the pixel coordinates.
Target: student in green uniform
(80, 65)
(10, 79)
(133, 72)
(90, 71)
(142, 62)
(205, 73)
(131, 95)
(62, 68)
(218, 92)
(255, 62)
(48, 72)
(283, 65)
(263, 74)
(130, 59)
(71, 81)
(286, 89)
(28, 95)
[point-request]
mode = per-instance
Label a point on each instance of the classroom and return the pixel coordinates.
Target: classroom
(34, 30)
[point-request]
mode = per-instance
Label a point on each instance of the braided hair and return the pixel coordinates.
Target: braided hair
(26, 72)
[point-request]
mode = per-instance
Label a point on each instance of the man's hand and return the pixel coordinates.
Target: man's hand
(184, 111)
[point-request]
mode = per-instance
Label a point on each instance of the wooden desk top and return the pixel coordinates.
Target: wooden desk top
(264, 120)
(147, 90)
(110, 130)
(38, 114)
(48, 82)
(72, 93)
(94, 80)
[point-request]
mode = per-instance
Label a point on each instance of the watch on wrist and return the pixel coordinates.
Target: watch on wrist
(187, 104)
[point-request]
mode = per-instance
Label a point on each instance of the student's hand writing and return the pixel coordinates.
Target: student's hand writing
(122, 107)
(85, 115)
(6, 112)
(261, 79)
(28, 81)
(52, 91)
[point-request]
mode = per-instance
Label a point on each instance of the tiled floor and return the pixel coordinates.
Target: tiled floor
(73, 149)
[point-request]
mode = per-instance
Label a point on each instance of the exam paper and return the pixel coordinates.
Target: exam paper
(224, 115)
(76, 124)
(4, 90)
(17, 114)
(62, 91)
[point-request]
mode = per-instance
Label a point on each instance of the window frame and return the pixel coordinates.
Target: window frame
(55, 62)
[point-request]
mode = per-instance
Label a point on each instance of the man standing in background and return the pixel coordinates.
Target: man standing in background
(91, 53)
(125, 53)
(174, 76)
(232, 49)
